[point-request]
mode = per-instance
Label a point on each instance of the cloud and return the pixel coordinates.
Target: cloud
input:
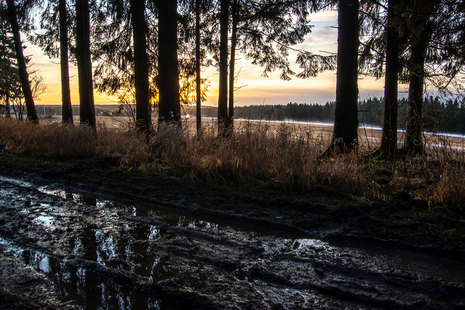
(259, 90)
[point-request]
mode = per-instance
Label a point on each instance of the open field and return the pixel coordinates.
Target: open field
(369, 137)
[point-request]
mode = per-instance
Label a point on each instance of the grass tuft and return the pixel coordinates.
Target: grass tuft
(281, 156)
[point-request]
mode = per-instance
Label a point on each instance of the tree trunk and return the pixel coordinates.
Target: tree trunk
(345, 135)
(235, 21)
(7, 106)
(143, 109)
(389, 138)
(223, 86)
(414, 140)
(169, 104)
(86, 91)
(23, 75)
(198, 94)
(67, 109)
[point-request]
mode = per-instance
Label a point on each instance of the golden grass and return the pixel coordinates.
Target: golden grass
(282, 156)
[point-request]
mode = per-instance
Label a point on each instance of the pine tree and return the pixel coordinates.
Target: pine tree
(23, 74)
(67, 109)
(10, 84)
(223, 68)
(345, 135)
(54, 39)
(86, 91)
(168, 82)
(141, 71)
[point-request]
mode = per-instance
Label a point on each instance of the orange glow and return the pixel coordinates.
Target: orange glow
(258, 90)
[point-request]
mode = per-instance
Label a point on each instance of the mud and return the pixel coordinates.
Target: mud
(65, 248)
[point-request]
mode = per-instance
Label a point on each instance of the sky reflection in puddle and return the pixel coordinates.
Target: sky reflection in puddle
(88, 288)
(47, 221)
(156, 244)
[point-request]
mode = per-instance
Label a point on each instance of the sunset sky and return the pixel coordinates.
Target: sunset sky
(259, 90)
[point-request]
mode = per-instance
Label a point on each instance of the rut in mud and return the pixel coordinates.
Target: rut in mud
(99, 254)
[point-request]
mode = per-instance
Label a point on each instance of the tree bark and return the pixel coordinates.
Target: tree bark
(388, 146)
(24, 76)
(235, 21)
(86, 91)
(198, 94)
(169, 104)
(143, 109)
(345, 136)
(223, 83)
(414, 140)
(7, 107)
(67, 109)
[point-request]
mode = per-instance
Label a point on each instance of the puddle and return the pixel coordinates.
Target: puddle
(16, 181)
(111, 252)
(133, 243)
(89, 289)
(47, 221)
(127, 247)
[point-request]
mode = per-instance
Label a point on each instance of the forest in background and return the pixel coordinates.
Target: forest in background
(438, 115)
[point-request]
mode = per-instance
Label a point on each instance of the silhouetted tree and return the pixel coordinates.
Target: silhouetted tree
(232, 60)
(141, 71)
(84, 63)
(67, 109)
(389, 138)
(435, 54)
(383, 39)
(10, 84)
(427, 36)
(420, 39)
(198, 91)
(264, 32)
(168, 81)
(23, 74)
(223, 68)
(345, 135)
(56, 22)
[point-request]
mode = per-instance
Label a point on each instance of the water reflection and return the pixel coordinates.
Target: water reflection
(88, 288)
(111, 244)
(47, 221)
(126, 247)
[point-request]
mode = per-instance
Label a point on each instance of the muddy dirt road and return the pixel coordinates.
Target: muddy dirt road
(64, 249)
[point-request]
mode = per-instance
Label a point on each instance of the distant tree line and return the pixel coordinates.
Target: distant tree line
(446, 115)
(439, 115)
(292, 111)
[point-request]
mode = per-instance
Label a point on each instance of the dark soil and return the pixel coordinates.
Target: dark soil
(404, 223)
(321, 212)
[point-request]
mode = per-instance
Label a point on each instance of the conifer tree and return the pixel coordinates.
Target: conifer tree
(10, 84)
(168, 82)
(84, 63)
(141, 71)
(23, 74)
(67, 109)
(345, 134)
(57, 22)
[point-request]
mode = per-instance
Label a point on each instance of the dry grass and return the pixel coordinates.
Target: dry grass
(53, 140)
(281, 156)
